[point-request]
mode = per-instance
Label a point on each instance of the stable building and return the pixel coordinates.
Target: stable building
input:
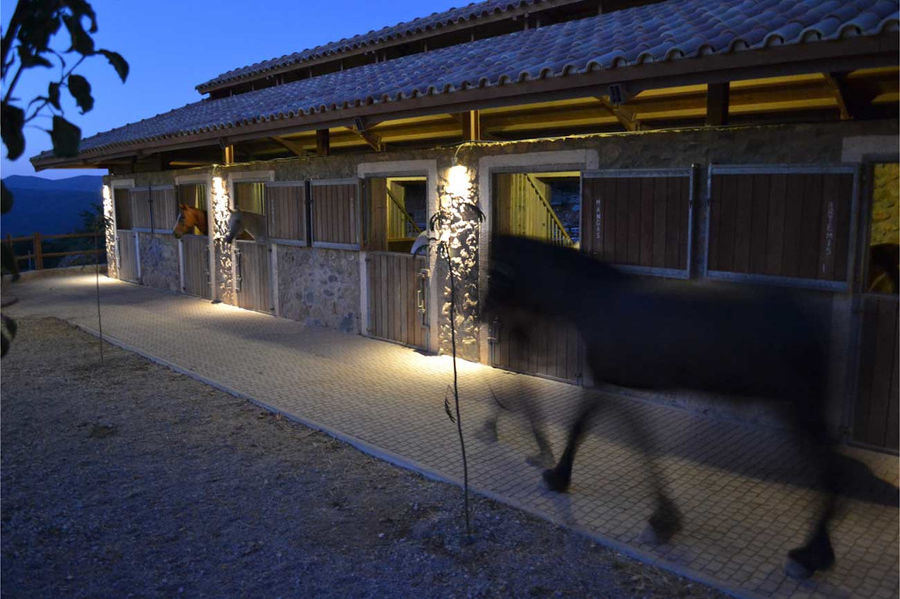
(752, 143)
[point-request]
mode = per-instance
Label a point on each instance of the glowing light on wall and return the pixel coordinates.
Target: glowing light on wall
(109, 230)
(458, 181)
(457, 231)
(224, 262)
(221, 212)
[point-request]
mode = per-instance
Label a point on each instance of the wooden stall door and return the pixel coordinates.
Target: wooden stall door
(398, 296)
(550, 350)
(522, 207)
(128, 256)
(792, 224)
(253, 283)
(640, 220)
(195, 254)
(875, 422)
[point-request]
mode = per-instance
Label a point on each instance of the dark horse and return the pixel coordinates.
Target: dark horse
(654, 334)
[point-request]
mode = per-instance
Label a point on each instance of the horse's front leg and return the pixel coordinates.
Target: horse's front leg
(559, 477)
(665, 520)
(817, 553)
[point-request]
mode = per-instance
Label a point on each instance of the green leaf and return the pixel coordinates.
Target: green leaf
(81, 41)
(53, 94)
(6, 198)
(12, 120)
(81, 91)
(66, 138)
(118, 63)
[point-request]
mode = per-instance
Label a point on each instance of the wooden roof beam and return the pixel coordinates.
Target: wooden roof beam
(293, 146)
(837, 83)
(717, 101)
(625, 116)
(471, 125)
(361, 127)
(323, 142)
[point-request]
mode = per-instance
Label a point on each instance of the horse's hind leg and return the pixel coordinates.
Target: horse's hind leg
(544, 457)
(665, 520)
(817, 553)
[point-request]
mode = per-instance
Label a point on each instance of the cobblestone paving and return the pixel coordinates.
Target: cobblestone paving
(745, 498)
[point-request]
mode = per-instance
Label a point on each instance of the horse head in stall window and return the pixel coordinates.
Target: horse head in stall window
(190, 219)
(736, 342)
(245, 226)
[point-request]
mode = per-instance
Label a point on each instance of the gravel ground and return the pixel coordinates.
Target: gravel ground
(129, 480)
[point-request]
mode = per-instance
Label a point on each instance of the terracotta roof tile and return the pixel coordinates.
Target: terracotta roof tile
(675, 30)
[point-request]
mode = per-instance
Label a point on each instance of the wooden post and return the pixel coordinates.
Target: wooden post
(323, 142)
(472, 125)
(228, 154)
(38, 252)
(717, 104)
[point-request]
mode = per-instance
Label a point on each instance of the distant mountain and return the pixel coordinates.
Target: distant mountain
(49, 206)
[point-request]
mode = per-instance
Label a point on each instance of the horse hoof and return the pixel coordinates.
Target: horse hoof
(662, 525)
(556, 482)
(804, 561)
(540, 460)
(650, 536)
(487, 433)
(796, 570)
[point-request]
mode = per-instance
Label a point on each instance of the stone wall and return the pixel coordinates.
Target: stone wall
(159, 261)
(319, 287)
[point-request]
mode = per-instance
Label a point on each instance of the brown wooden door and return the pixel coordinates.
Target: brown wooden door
(544, 348)
(875, 410)
(522, 207)
(128, 258)
(789, 223)
(398, 298)
(639, 219)
(195, 257)
(874, 422)
(253, 283)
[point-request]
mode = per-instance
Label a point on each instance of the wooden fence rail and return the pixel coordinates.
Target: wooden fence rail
(37, 247)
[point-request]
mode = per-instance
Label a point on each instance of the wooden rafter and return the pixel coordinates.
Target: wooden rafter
(625, 115)
(323, 142)
(293, 146)
(717, 102)
(838, 86)
(361, 128)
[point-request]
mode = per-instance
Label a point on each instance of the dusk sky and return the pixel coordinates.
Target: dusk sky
(173, 45)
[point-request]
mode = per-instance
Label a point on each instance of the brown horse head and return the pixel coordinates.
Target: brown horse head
(188, 219)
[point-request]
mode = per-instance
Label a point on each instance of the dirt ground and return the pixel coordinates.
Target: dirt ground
(129, 480)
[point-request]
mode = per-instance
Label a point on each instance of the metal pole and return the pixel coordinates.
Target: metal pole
(99, 320)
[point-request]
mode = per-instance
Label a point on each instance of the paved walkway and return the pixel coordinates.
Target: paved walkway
(744, 503)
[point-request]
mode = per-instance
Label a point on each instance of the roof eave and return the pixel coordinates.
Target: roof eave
(832, 56)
